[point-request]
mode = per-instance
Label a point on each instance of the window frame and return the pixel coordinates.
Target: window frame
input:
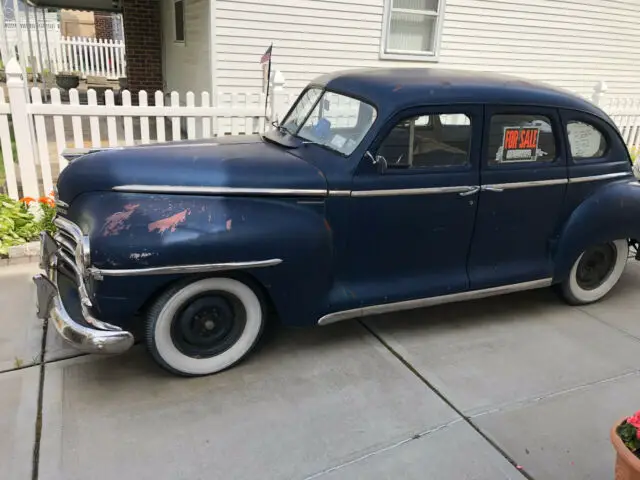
(557, 129)
(472, 111)
(183, 41)
(323, 89)
(391, 54)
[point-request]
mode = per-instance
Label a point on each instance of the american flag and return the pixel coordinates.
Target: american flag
(266, 57)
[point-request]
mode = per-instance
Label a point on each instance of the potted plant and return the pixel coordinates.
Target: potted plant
(625, 437)
(68, 80)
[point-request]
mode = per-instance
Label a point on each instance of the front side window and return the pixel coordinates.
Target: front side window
(586, 141)
(332, 120)
(412, 27)
(427, 141)
(518, 138)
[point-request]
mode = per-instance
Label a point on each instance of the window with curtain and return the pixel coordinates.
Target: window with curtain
(412, 26)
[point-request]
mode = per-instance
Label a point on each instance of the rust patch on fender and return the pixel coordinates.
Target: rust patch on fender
(169, 223)
(115, 223)
(228, 225)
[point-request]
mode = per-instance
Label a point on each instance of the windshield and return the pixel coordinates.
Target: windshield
(330, 119)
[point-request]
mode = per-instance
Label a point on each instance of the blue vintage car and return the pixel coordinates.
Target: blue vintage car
(381, 190)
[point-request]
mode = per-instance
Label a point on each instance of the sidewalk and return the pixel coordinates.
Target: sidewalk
(538, 384)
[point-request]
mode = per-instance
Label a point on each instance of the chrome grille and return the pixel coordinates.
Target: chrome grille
(74, 253)
(74, 245)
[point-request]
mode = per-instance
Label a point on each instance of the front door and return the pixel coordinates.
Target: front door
(523, 184)
(411, 224)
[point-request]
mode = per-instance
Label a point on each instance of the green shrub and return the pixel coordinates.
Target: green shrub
(22, 221)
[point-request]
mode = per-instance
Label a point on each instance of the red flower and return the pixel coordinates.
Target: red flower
(635, 420)
(47, 200)
(27, 200)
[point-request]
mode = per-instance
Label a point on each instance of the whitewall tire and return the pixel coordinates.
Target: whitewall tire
(205, 326)
(595, 272)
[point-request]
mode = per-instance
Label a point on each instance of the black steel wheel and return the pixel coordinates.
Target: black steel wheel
(595, 266)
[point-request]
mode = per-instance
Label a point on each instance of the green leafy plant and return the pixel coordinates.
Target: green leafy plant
(22, 221)
(629, 432)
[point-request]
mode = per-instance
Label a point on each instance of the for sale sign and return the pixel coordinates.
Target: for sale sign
(520, 144)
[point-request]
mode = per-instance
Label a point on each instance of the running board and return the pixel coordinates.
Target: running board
(431, 301)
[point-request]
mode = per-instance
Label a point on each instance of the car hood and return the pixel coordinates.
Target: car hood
(245, 161)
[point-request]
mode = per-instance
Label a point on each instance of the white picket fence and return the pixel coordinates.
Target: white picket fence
(625, 112)
(42, 131)
(85, 55)
(90, 56)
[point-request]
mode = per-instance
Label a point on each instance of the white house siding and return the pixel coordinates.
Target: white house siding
(569, 43)
(187, 66)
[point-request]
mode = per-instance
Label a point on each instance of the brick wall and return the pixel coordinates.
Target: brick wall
(103, 25)
(143, 45)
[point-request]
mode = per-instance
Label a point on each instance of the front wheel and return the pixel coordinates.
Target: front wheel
(205, 326)
(595, 272)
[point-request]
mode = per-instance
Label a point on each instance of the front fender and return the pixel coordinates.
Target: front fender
(142, 230)
(612, 212)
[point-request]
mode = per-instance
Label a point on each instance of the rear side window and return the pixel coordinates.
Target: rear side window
(586, 141)
(518, 138)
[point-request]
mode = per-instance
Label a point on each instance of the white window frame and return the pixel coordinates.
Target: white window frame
(390, 54)
(184, 25)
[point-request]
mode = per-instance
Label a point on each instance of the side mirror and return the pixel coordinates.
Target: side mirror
(379, 161)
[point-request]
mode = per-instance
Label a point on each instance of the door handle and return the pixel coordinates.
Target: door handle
(489, 188)
(469, 191)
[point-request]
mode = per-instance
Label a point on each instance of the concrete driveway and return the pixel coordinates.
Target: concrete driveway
(513, 387)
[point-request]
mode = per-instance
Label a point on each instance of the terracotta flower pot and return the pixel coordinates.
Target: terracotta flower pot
(627, 464)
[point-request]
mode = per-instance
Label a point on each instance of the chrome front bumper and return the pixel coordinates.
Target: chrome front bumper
(97, 336)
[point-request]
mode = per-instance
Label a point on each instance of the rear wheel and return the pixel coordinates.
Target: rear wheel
(595, 272)
(205, 326)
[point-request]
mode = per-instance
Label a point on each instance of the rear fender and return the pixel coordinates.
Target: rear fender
(611, 213)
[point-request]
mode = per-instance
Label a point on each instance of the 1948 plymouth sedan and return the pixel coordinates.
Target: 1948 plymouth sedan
(381, 190)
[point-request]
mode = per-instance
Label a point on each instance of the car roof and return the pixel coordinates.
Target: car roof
(393, 88)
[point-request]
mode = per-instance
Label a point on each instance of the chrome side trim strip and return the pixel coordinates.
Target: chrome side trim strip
(514, 185)
(431, 301)
(287, 192)
(605, 176)
(412, 191)
(185, 189)
(209, 267)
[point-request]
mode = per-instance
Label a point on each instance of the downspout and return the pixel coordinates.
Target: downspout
(4, 50)
(23, 65)
(32, 60)
(213, 67)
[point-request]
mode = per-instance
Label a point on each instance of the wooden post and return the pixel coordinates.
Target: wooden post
(278, 107)
(19, 100)
(598, 91)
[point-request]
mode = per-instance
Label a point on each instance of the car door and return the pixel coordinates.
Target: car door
(523, 180)
(410, 225)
